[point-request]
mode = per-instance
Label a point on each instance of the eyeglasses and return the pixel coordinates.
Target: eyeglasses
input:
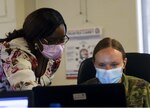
(61, 40)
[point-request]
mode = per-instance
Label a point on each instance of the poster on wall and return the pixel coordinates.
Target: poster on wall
(79, 47)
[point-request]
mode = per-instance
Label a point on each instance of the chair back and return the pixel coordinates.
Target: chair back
(138, 64)
(86, 71)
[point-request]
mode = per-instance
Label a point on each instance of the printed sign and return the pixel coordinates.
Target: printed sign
(79, 47)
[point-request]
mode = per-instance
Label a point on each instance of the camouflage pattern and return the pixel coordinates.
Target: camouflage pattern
(137, 90)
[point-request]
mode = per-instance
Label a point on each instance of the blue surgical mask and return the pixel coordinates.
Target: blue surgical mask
(109, 76)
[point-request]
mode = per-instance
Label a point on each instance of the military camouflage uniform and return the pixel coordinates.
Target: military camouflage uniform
(137, 90)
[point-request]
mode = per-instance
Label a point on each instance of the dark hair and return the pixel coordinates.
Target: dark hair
(39, 24)
(108, 42)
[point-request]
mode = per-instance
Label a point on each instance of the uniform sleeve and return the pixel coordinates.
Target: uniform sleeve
(17, 66)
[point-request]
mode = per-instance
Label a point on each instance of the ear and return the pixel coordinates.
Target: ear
(124, 62)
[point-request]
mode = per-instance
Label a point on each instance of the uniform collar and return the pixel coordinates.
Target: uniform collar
(125, 83)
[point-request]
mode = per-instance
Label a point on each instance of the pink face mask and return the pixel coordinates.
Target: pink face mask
(52, 51)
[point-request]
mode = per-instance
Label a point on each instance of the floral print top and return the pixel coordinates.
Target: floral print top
(17, 64)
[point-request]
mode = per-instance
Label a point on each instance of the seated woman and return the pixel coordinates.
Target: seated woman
(109, 59)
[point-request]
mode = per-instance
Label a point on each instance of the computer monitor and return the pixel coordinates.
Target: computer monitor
(104, 95)
(16, 99)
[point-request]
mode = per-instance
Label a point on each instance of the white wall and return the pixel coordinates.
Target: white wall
(23, 8)
(117, 17)
(7, 17)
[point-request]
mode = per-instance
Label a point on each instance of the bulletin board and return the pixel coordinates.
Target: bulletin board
(79, 47)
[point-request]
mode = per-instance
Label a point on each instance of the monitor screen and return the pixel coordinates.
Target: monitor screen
(16, 99)
(21, 102)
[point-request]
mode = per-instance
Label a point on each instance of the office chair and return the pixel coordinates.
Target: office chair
(138, 64)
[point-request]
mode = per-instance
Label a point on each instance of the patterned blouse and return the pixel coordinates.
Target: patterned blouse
(17, 64)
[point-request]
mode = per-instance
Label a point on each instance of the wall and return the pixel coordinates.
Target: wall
(23, 8)
(16, 11)
(7, 17)
(116, 17)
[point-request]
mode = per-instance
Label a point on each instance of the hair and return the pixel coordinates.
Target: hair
(108, 42)
(38, 24)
